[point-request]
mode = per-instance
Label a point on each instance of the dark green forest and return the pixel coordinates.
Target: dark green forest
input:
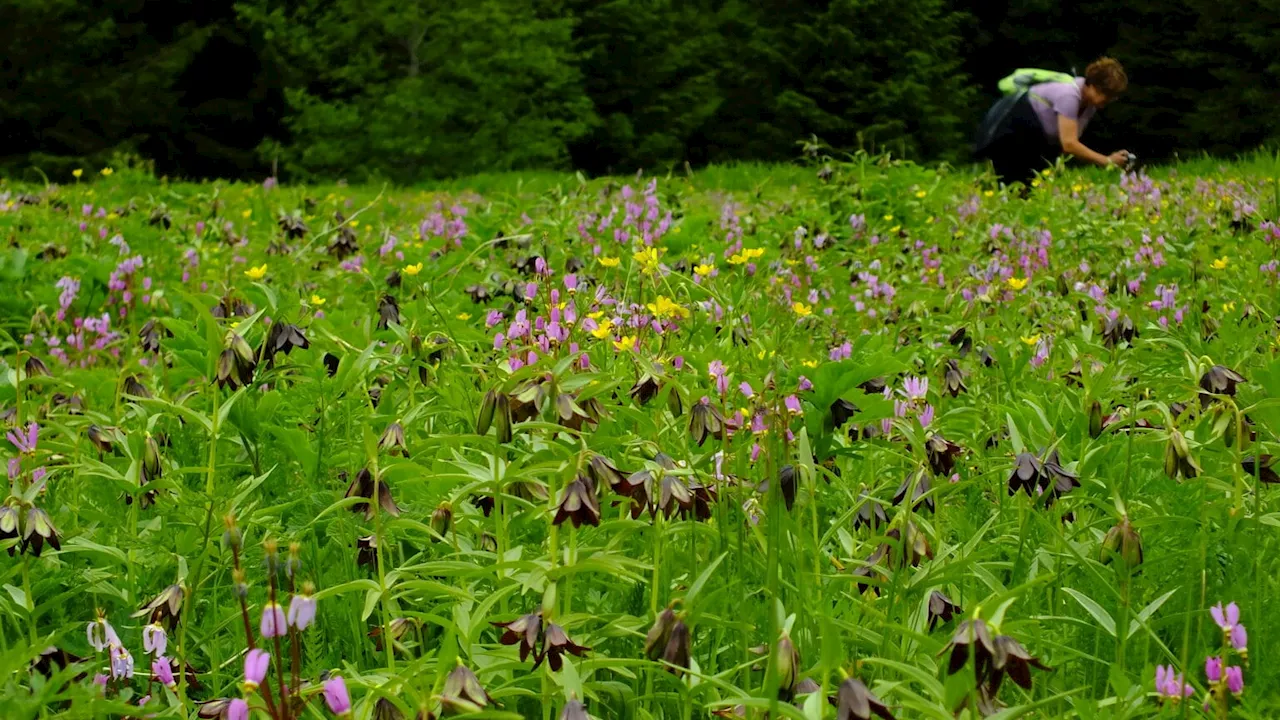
(412, 90)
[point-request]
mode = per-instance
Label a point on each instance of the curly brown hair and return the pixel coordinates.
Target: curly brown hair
(1107, 75)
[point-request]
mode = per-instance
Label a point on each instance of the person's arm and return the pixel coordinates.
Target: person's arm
(1069, 134)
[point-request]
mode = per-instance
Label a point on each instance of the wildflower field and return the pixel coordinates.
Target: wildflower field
(849, 440)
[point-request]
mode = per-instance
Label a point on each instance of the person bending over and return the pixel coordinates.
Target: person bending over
(1049, 119)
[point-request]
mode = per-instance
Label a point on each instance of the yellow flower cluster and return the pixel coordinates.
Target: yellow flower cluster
(747, 255)
(664, 307)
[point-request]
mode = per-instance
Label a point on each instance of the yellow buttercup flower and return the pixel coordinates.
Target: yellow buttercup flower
(809, 363)
(464, 316)
(596, 315)
(317, 300)
(648, 259)
(703, 270)
(1047, 172)
(663, 307)
(610, 261)
(1030, 340)
(1077, 187)
(602, 330)
(1017, 283)
(921, 193)
(412, 270)
(989, 193)
(1220, 263)
(801, 309)
(747, 255)
(256, 273)
(627, 343)
(1229, 306)
(888, 218)
(246, 213)
(77, 173)
(112, 216)
(106, 172)
(894, 230)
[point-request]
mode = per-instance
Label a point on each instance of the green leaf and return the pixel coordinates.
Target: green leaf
(703, 577)
(1100, 615)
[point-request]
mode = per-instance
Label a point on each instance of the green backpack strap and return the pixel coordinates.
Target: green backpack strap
(1024, 78)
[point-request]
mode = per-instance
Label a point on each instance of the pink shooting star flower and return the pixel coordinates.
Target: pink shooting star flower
(154, 640)
(273, 621)
(336, 697)
(1235, 679)
(302, 611)
(163, 672)
(25, 443)
(256, 663)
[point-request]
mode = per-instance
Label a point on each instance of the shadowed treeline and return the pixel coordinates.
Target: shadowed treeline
(419, 90)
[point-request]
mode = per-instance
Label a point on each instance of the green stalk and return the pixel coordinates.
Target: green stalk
(189, 598)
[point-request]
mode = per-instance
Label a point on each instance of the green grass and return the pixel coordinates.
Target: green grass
(755, 517)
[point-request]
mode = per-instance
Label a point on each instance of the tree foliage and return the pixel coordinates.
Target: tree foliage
(416, 89)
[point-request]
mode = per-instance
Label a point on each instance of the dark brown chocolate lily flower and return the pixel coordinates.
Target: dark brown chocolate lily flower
(392, 440)
(645, 389)
(1026, 476)
(35, 367)
(367, 551)
(915, 546)
(841, 412)
(132, 386)
(292, 225)
(283, 337)
(920, 479)
(870, 513)
(1014, 660)
(1218, 380)
(604, 473)
(556, 643)
(655, 641)
(942, 454)
(344, 242)
(364, 486)
(874, 386)
(854, 701)
(570, 414)
(1117, 330)
(150, 335)
(388, 312)
(1262, 467)
(463, 692)
(705, 420)
(972, 637)
(953, 379)
(39, 530)
(578, 503)
(526, 631)
(1059, 480)
(676, 653)
(165, 607)
(871, 567)
(941, 608)
(101, 438)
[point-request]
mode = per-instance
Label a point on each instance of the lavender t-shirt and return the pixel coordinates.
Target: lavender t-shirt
(1062, 98)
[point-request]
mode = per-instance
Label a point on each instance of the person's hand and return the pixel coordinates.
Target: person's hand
(1118, 158)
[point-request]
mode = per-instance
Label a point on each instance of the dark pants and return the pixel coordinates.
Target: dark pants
(1017, 147)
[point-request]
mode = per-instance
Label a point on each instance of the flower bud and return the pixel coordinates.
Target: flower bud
(1095, 419)
(442, 518)
(1123, 542)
